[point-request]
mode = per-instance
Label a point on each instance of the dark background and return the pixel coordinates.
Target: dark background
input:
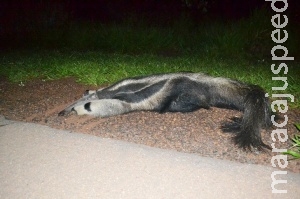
(32, 22)
(13, 14)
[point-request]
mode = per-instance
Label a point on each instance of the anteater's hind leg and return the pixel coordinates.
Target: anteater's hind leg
(188, 102)
(186, 95)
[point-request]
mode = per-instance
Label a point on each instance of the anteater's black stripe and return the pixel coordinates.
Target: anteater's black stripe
(143, 94)
(132, 87)
(110, 94)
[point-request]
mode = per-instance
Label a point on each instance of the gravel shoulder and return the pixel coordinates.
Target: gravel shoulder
(198, 132)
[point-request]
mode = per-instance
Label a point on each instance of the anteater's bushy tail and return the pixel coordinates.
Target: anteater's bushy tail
(257, 115)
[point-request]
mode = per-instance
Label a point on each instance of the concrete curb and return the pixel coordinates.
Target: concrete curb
(40, 162)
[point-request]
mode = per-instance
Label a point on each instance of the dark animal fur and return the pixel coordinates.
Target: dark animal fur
(184, 92)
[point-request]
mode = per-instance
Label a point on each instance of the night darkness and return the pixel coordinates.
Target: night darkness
(117, 10)
(16, 15)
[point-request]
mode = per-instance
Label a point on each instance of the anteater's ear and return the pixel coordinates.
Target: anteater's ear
(88, 92)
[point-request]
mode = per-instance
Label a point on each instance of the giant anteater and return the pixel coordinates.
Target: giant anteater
(184, 92)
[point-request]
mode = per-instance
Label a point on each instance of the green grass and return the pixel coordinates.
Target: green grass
(100, 54)
(294, 150)
(98, 68)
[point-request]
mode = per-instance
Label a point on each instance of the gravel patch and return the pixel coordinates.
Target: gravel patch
(197, 132)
